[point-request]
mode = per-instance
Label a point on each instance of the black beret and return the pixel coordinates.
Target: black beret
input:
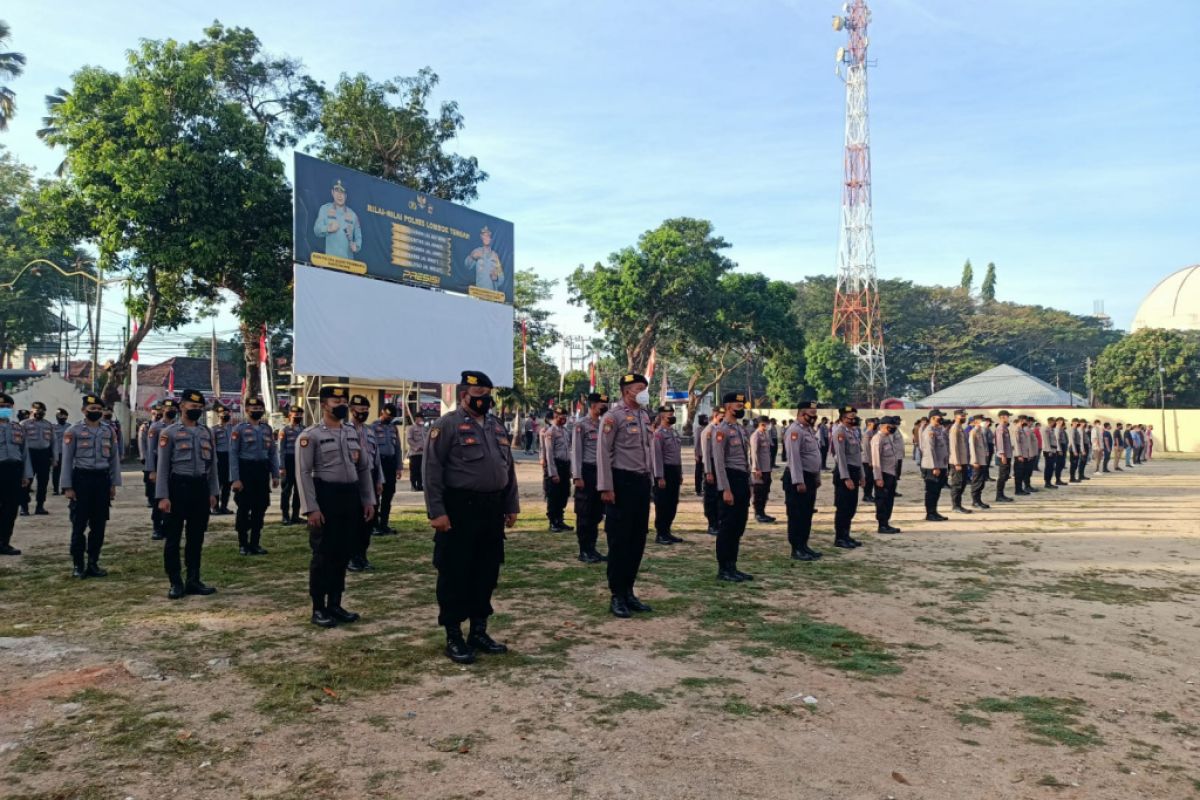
(960, 412)
(597, 397)
(666, 410)
(359, 400)
(733, 397)
(89, 399)
(388, 407)
(631, 378)
(38, 405)
(1004, 414)
(937, 412)
(560, 410)
(844, 410)
(808, 404)
(256, 401)
(169, 403)
(333, 391)
(192, 396)
(473, 378)
(62, 411)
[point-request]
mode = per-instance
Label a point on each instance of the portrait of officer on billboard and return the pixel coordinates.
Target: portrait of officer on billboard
(485, 263)
(338, 225)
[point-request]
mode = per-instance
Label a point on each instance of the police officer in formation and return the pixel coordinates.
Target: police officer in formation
(144, 441)
(16, 471)
(289, 493)
(471, 497)
(170, 410)
(416, 438)
(1005, 454)
(360, 409)
(845, 444)
(337, 496)
(91, 475)
(977, 448)
(186, 487)
(387, 438)
(762, 461)
(697, 432)
(935, 460)
(868, 433)
(556, 470)
(223, 434)
(623, 469)
(886, 457)
(731, 465)
(801, 478)
(253, 470)
(666, 459)
(39, 439)
(712, 499)
(959, 459)
(588, 508)
(60, 428)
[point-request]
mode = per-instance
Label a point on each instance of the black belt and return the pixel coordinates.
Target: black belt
(335, 484)
(90, 471)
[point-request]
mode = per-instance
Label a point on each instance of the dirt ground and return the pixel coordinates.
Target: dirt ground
(1047, 648)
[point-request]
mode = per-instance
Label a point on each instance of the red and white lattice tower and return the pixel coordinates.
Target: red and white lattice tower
(856, 305)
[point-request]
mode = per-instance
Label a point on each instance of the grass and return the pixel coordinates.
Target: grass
(1050, 720)
(1050, 780)
(1114, 676)
(1095, 589)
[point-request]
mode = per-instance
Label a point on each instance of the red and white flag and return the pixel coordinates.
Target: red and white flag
(651, 363)
(264, 370)
(132, 400)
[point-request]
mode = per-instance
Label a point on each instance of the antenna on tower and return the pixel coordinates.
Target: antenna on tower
(856, 319)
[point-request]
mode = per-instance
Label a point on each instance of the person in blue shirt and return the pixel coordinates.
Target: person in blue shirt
(339, 226)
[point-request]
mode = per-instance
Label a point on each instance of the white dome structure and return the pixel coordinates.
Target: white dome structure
(1174, 303)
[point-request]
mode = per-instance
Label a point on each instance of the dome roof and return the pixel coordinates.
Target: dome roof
(1174, 303)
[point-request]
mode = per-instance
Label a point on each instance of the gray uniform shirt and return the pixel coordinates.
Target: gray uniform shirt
(803, 449)
(885, 456)
(416, 438)
(556, 446)
(665, 450)
(935, 448)
(144, 442)
(152, 436)
(90, 448)
(469, 454)
(583, 444)
(1004, 444)
(60, 429)
(221, 435)
(978, 446)
(624, 444)
(12, 446)
(898, 443)
(705, 444)
(188, 451)
(959, 456)
(331, 455)
(366, 437)
(39, 434)
(387, 437)
(867, 435)
(846, 444)
(287, 437)
(760, 453)
(252, 441)
(730, 450)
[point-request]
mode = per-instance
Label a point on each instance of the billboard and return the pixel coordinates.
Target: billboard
(350, 221)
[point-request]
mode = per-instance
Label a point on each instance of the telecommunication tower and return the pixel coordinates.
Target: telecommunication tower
(856, 318)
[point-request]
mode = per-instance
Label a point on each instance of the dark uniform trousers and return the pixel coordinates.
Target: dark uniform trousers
(868, 482)
(223, 478)
(334, 542)
(158, 519)
(252, 500)
(1075, 462)
(89, 510)
(557, 494)
(289, 492)
(666, 501)
(712, 501)
(762, 492)
(56, 474)
(958, 482)
(469, 555)
(799, 507)
(41, 460)
(414, 471)
(189, 510)
(1003, 470)
(699, 478)
(12, 495)
(885, 498)
(1060, 461)
(933, 489)
(979, 477)
(588, 510)
(625, 525)
(1048, 472)
(845, 501)
(148, 487)
(390, 464)
(731, 523)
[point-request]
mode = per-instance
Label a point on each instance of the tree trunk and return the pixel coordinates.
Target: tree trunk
(250, 354)
(120, 368)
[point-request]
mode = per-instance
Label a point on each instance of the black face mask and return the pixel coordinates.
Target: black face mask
(94, 416)
(603, 410)
(741, 412)
(225, 418)
(480, 405)
(670, 420)
(340, 412)
(62, 419)
(39, 414)
(193, 413)
(297, 421)
(169, 414)
(360, 416)
(256, 415)
(853, 423)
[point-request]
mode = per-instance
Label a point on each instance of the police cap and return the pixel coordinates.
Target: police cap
(390, 408)
(734, 397)
(90, 399)
(937, 412)
(597, 397)
(328, 392)
(254, 401)
(360, 400)
(1004, 414)
(475, 378)
(560, 410)
(960, 412)
(630, 378)
(38, 405)
(845, 410)
(666, 410)
(169, 403)
(63, 411)
(808, 404)
(191, 396)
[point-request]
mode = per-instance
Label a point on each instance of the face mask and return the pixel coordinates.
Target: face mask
(5, 413)
(39, 414)
(298, 421)
(480, 405)
(340, 412)
(643, 397)
(169, 414)
(62, 419)
(193, 413)
(225, 418)
(853, 423)
(741, 412)
(94, 416)
(360, 416)
(256, 415)
(603, 410)
(670, 420)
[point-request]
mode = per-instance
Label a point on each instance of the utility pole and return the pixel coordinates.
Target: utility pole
(1091, 394)
(96, 331)
(1162, 403)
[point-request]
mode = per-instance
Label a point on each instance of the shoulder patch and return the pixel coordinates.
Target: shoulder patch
(68, 438)
(795, 436)
(608, 427)
(841, 437)
(435, 433)
(163, 440)
(720, 436)
(304, 441)
(234, 434)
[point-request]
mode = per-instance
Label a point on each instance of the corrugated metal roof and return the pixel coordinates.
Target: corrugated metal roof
(1004, 385)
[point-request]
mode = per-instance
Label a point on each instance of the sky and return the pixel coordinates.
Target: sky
(1054, 139)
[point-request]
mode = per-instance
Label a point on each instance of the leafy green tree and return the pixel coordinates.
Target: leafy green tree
(1126, 374)
(987, 290)
(785, 371)
(830, 369)
(228, 350)
(363, 128)
(666, 287)
(968, 277)
(531, 321)
(575, 386)
(11, 66)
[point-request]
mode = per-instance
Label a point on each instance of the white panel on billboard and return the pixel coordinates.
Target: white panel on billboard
(380, 331)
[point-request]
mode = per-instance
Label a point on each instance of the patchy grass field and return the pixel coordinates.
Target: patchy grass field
(1044, 648)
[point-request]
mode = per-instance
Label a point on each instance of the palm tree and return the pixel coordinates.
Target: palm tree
(11, 65)
(50, 123)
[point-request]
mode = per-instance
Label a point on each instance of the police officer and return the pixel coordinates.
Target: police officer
(712, 499)
(898, 445)
(623, 470)
(762, 460)
(886, 459)
(289, 502)
(869, 431)
(416, 437)
(846, 448)
(339, 226)
(1049, 453)
(360, 409)
(1004, 456)
(556, 470)
(697, 432)
(39, 440)
(170, 410)
(223, 435)
(977, 448)
(91, 475)
(802, 452)
(588, 508)
(336, 497)
(114, 423)
(666, 460)
(60, 428)
(935, 459)
(471, 497)
(731, 465)
(186, 487)
(254, 469)
(387, 437)
(959, 458)
(16, 472)
(145, 443)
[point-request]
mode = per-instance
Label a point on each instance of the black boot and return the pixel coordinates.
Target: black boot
(959, 509)
(78, 570)
(41, 511)
(742, 576)
(323, 619)
(255, 548)
(457, 650)
(663, 538)
(196, 586)
(799, 554)
(888, 529)
(176, 591)
(563, 526)
(618, 607)
(95, 571)
(479, 640)
(340, 614)
(725, 572)
(631, 600)
(980, 505)
(811, 552)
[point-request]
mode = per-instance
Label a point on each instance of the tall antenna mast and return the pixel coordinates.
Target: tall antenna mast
(856, 318)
